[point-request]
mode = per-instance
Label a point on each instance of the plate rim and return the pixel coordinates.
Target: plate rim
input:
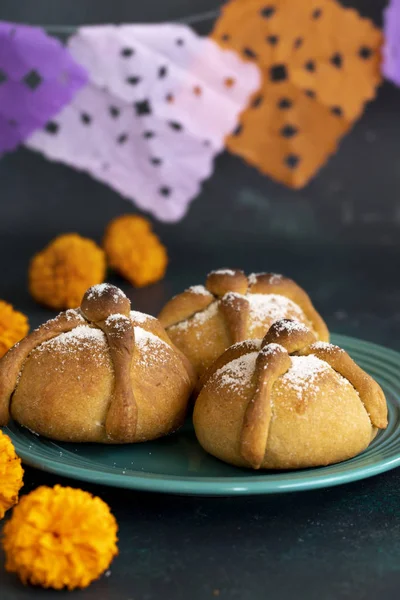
(214, 486)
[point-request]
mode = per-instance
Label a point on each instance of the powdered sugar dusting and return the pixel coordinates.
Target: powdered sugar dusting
(82, 333)
(326, 346)
(264, 309)
(203, 316)
(274, 278)
(82, 337)
(198, 319)
(272, 348)
(140, 317)
(228, 272)
(115, 318)
(252, 278)
(200, 290)
(238, 373)
(286, 325)
(229, 296)
(70, 314)
(74, 313)
(144, 337)
(119, 324)
(304, 374)
(248, 345)
(105, 288)
(153, 350)
(268, 308)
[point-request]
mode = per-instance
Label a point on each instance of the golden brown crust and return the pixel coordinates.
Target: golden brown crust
(122, 415)
(101, 301)
(313, 424)
(229, 355)
(154, 326)
(109, 308)
(235, 311)
(291, 335)
(370, 392)
(222, 281)
(11, 364)
(272, 361)
(203, 334)
(271, 283)
(184, 306)
(80, 386)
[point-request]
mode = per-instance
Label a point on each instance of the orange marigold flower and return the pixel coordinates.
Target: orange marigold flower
(11, 474)
(135, 251)
(60, 274)
(60, 538)
(13, 327)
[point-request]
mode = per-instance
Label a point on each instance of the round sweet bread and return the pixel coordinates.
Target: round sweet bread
(287, 402)
(204, 321)
(101, 373)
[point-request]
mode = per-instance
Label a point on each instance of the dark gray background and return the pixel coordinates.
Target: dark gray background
(339, 237)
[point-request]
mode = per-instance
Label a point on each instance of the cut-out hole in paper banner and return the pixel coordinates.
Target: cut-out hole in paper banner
(160, 104)
(38, 77)
(320, 64)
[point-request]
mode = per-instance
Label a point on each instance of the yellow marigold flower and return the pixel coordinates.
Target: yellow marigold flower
(11, 474)
(60, 537)
(60, 274)
(135, 251)
(13, 327)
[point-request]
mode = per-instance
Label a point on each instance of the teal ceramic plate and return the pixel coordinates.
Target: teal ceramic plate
(177, 464)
